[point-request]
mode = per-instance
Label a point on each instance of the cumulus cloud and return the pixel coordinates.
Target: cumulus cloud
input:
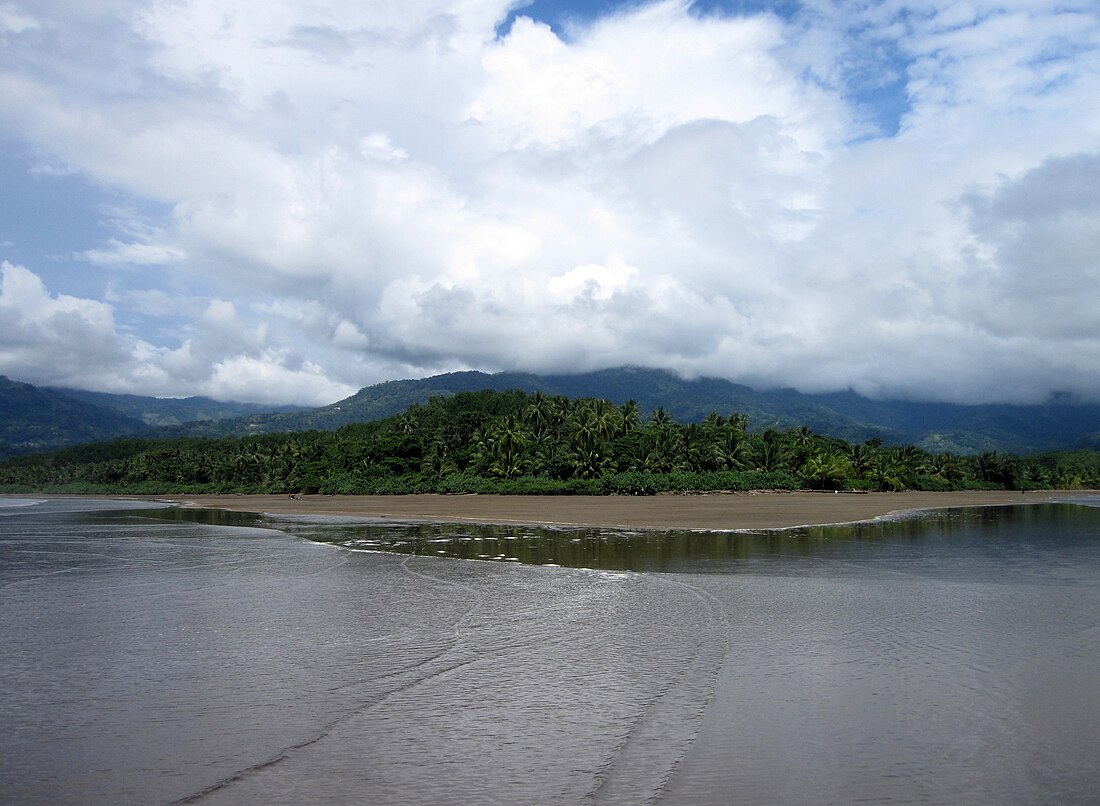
(57, 339)
(53, 337)
(359, 191)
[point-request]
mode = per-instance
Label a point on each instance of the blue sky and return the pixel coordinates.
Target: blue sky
(285, 204)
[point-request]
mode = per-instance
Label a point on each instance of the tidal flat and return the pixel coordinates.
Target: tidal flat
(160, 655)
(717, 511)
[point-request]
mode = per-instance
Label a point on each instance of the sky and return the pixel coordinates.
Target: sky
(285, 201)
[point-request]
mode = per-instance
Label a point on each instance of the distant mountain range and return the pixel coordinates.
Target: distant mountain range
(36, 418)
(39, 419)
(157, 412)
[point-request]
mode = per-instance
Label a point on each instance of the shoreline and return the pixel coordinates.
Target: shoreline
(706, 512)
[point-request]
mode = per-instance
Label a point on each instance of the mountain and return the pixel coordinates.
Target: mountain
(34, 419)
(37, 419)
(167, 411)
(933, 426)
(371, 403)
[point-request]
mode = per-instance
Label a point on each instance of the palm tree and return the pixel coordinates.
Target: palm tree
(826, 471)
(631, 416)
(660, 417)
(664, 451)
(941, 466)
(508, 442)
(739, 422)
(539, 413)
(798, 444)
(731, 449)
(888, 473)
(437, 461)
(481, 450)
(772, 456)
(607, 420)
(861, 457)
(588, 461)
(698, 453)
(545, 455)
(997, 468)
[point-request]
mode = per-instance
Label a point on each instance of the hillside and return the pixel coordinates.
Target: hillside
(933, 426)
(169, 411)
(34, 419)
(40, 418)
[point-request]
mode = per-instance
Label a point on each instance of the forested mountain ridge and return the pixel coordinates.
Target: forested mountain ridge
(170, 411)
(34, 419)
(846, 415)
(936, 427)
(515, 443)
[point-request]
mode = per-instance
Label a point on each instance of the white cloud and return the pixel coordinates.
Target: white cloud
(50, 338)
(14, 20)
(138, 254)
(594, 280)
(239, 377)
(632, 77)
(360, 190)
(67, 341)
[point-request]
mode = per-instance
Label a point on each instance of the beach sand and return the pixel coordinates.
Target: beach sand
(761, 510)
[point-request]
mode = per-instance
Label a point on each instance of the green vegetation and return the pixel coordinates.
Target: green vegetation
(936, 427)
(171, 411)
(33, 419)
(534, 444)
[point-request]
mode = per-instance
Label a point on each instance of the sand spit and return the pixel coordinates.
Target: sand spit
(719, 511)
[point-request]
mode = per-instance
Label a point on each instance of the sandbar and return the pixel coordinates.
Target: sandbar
(715, 511)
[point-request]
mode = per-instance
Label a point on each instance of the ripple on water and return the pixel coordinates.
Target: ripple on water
(552, 690)
(147, 661)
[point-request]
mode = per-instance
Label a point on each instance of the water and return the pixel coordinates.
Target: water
(153, 656)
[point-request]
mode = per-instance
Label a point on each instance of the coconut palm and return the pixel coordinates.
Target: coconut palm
(771, 456)
(941, 466)
(801, 441)
(738, 422)
(664, 450)
(660, 417)
(731, 449)
(861, 457)
(539, 413)
(437, 461)
(826, 471)
(631, 414)
(607, 420)
(887, 472)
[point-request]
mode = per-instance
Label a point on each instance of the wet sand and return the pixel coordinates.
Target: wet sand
(762, 510)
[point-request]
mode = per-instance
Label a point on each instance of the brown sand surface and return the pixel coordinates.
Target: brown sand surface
(760, 510)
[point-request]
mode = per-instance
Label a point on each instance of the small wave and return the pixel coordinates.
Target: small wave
(20, 502)
(1083, 499)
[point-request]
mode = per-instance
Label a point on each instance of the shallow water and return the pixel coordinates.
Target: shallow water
(149, 658)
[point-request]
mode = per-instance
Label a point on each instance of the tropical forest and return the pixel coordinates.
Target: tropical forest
(514, 442)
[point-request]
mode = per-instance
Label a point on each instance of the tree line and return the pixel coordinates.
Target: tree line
(520, 443)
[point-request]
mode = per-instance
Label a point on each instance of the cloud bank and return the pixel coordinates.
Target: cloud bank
(337, 193)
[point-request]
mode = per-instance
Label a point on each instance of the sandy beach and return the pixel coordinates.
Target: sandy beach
(762, 510)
